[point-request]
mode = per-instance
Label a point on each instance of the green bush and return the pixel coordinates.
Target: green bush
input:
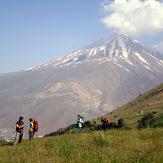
(87, 124)
(112, 125)
(158, 125)
(147, 121)
(121, 122)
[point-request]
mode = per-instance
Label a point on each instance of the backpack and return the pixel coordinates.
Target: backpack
(82, 119)
(35, 128)
(108, 120)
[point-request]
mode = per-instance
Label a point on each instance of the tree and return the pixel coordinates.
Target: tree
(121, 122)
(147, 121)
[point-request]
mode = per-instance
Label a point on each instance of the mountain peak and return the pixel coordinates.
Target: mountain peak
(111, 46)
(116, 44)
(114, 47)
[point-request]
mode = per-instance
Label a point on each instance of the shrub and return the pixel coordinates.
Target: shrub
(99, 127)
(87, 123)
(147, 121)
(158, 125)
(112, 125)
(148, 116)
(121, 122)
(154, 112)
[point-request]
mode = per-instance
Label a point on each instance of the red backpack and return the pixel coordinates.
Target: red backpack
(35, 126)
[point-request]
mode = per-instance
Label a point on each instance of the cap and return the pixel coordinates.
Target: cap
(102, 117)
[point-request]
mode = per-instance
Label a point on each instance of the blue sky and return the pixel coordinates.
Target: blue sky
(37, 31)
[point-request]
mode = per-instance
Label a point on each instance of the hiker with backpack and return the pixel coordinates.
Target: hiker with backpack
(19, 131)
(105, 122)
(31, 130)
(80, 121)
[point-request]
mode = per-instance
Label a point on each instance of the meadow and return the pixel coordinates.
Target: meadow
(112, 146)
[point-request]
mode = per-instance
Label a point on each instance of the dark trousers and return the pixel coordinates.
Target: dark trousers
(31, 136)
(105, 126)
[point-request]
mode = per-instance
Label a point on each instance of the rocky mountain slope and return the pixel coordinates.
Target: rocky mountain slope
(90, 81)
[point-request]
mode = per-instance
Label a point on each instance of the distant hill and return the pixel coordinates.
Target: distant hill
(151, 101)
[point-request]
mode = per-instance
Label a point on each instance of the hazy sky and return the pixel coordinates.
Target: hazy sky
(37, 31)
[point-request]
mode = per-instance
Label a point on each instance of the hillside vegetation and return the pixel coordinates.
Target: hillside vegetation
(151, 101)
(131, 113)
(98, 146)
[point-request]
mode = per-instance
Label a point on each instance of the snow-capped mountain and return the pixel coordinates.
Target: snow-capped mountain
(114, 48)
(90, 81)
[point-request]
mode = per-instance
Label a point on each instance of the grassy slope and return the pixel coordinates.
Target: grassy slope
(98, 146)
(149, 102)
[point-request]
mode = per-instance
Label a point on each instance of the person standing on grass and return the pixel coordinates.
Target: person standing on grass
(105, 122)
(79, 123)
(19, 131)
(31, 130)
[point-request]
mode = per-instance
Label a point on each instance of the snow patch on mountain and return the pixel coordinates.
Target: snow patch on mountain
(112, 47)
(135, 41)
(123, 46)
(141, 58)
(27, 69)
(129, 62)
(160, 63)
(122, 67)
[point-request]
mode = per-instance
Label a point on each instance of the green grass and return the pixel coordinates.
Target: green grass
(111, 147)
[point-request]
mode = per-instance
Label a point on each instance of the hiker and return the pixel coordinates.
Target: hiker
(19, 131)
(79, 123)
(31, 130)
(105, 122)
